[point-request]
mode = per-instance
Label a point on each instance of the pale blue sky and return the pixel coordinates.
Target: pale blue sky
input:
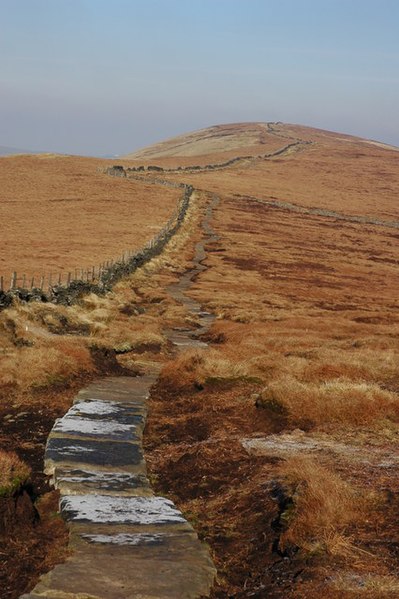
(104, 77)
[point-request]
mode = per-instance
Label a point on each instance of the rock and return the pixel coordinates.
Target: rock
(116, 171)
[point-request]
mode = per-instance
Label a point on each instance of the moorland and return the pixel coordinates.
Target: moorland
(280, 440)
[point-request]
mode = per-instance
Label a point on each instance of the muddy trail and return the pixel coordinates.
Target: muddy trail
(186, 337)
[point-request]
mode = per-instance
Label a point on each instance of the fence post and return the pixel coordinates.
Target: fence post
(32, 282)
(68, 279)
(1, 283)
(13, 280)
(41, 282)
(24, 282)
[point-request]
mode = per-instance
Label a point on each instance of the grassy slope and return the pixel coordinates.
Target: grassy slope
(59, 213)
(305, 348)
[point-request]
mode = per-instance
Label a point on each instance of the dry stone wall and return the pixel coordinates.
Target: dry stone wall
(70, 293)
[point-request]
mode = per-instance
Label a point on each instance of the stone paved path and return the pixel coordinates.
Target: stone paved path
(125, 542)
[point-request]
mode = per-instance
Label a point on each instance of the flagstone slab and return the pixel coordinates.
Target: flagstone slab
(181, 339)
(106, 482)
(180, 569)
(89, 451)
(80, 529)
(100, 509)
(77, 426)
(97, 406)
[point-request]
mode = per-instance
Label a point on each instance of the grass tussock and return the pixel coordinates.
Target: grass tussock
(195, 367)
(47, 345)
(13, 472)
(336, 401)
(366, 586)
(49, 364)
(322, 505)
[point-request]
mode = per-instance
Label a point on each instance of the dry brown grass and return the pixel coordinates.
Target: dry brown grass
(306, 304)
(13, 472)
(337, 172)
(321, 508)
(200, 147)
(47, 345)
(337, 402)
(60, 213)
(195, 367)
(306, 308)
(368, 586)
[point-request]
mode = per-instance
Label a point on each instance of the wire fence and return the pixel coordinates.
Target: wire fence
(101, 275)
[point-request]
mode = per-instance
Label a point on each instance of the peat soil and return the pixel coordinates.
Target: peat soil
(236, 500)
(33, 536)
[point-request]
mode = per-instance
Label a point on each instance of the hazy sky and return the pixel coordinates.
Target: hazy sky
(110, 76)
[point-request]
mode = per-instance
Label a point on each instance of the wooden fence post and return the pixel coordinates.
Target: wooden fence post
(13, 280)
(41, 282)
(1, 283)
(32, 282)
(24, 282)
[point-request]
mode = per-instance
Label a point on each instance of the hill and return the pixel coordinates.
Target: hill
(62, 213)
(318, 168)
(230, 140)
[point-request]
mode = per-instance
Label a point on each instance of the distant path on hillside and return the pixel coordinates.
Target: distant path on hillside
(125, 541)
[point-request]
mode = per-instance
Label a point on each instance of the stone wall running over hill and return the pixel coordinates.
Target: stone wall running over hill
(120, 171)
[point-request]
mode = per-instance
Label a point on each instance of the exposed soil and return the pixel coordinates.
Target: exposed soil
(34, 544)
